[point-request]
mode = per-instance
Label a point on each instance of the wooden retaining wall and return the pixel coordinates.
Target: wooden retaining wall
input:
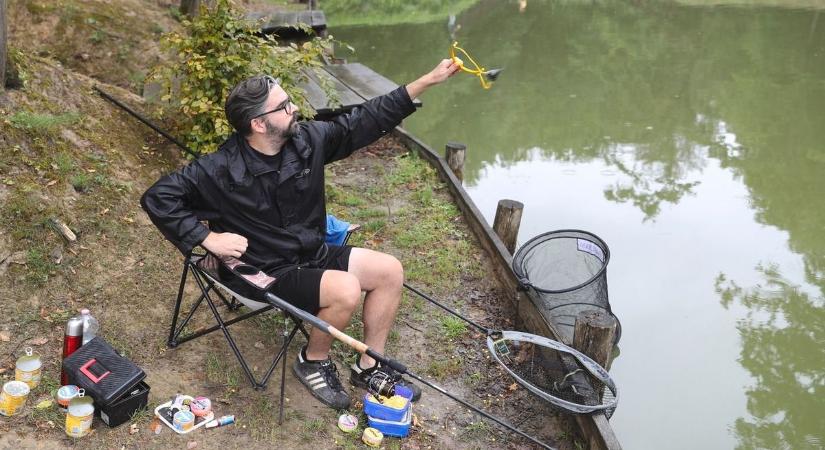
(594, 427)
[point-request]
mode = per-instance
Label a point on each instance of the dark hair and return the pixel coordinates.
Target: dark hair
(247, 100)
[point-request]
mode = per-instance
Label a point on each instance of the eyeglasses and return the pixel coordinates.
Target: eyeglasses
(287, 106)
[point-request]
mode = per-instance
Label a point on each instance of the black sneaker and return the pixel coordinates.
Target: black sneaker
(321, 378)
(361, 378)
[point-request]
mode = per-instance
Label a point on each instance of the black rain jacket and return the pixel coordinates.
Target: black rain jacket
(282, 214)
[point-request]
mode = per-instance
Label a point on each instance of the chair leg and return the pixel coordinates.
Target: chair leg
(172, 342)
(283, 384)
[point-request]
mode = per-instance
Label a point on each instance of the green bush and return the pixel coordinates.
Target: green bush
(219, 49)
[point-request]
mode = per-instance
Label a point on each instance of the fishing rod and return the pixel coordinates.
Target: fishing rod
(259, 280)
(146, 122)
(361, 347)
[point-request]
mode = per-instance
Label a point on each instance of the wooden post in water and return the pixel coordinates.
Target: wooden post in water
(454, 155)
(507, 222)
(594, 334)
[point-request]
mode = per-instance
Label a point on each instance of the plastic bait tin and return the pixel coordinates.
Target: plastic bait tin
(65, 395)
(347, 423)
(183, 420)
(372, 437)
(28, 368)
(13, 397)
(200, 406)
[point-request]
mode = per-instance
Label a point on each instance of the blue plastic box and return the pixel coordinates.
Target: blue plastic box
(383, 412)
(398, 429)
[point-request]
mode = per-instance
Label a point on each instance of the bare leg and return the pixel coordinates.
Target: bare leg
(340, 295)
(382, 277)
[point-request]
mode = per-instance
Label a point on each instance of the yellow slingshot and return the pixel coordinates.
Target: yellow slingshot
(486, 77)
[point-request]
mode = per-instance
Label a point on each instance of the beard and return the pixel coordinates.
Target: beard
(277, 134)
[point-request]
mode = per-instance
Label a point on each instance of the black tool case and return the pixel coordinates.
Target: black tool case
(115, 383)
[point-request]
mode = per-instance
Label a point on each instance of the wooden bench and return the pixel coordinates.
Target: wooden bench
(285, 23)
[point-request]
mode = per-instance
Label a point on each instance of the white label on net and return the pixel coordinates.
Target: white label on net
(586, 246)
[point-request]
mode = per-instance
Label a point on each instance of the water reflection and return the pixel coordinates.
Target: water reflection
(783, 347)
(693, 140)
(651, 88)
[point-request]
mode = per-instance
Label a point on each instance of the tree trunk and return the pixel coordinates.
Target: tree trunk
(3, 49)
(192, 7)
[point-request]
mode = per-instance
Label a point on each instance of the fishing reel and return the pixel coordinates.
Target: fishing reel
(383, 384)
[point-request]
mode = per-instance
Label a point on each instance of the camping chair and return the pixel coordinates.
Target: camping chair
(203, 266)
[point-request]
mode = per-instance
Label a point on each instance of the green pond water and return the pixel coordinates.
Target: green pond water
(692, 140)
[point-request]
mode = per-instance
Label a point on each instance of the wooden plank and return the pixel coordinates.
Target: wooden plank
(281, 21)
(594, 427)
(363, 80)
(319, 100)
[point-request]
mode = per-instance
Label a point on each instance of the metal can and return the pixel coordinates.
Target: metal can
(183, 421)
(80, 415)
(28, 368)
(65, 394)
(13, 397)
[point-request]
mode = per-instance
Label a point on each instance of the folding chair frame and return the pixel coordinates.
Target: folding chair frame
(207, 285)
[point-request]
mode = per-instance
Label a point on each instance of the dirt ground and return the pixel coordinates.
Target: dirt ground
(133, 300)
(89, 166)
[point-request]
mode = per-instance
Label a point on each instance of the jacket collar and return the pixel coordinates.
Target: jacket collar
(294, 158)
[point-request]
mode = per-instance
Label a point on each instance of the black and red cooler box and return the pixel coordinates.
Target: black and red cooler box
(115, 383)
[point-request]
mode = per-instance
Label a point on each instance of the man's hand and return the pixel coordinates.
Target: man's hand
(445, 69)
(225, 244)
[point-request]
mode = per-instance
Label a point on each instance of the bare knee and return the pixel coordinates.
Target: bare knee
(394, 272)
(342, 291)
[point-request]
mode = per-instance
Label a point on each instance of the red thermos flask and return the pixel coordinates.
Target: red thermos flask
(72, 341)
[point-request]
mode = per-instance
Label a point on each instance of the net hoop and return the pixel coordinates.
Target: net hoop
(523, 252)
(593, 367)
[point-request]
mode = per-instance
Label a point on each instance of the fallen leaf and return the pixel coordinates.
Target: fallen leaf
(156, 426)
(44, 404)
(259, 344)
(513, 387)
(51, 183)
(133, 428)
(38, 341)
(4, 336)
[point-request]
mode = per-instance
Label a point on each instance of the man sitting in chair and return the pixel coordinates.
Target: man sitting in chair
(262, 194)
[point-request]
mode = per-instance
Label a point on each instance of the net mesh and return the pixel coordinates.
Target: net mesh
(567, 269)
(560, 374)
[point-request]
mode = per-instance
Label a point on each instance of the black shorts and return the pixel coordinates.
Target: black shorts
(299, 286)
